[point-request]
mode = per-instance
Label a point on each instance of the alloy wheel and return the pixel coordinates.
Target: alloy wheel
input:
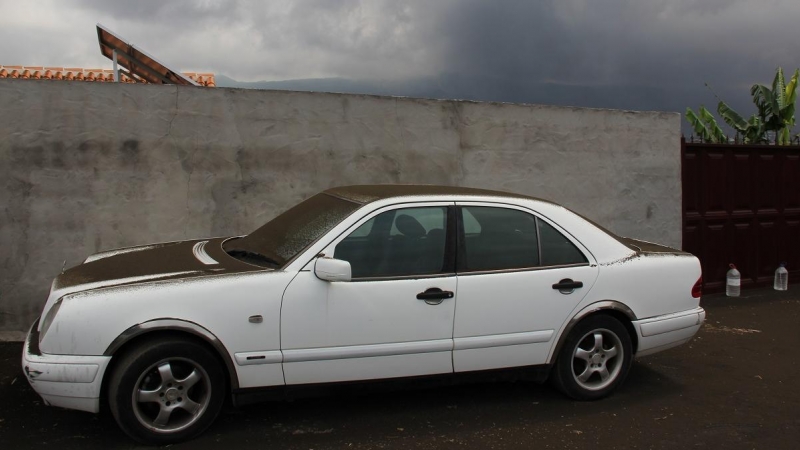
(597, 359)
(171, 395)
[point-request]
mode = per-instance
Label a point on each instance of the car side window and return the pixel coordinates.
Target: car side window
(400, 242)
(556, 248)
(471, 225)
(497, 239)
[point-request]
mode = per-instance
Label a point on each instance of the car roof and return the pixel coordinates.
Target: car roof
(370, 193)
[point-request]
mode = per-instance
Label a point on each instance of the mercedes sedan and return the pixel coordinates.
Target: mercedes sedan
(357, 283)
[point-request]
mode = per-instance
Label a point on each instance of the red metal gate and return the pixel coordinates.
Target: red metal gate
(741, 205)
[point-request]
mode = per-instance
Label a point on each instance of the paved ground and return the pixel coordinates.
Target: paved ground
(733, 387)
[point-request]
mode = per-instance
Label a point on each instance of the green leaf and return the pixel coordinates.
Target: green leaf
(755, 132)
(791, 88)
(787, 113)
(731, 117)
(768, 109)
(764, 101)
(784, 137)
(779, 89)
(697, 125)
(705, 116)
(717, 135)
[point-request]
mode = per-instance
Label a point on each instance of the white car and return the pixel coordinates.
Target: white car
(357, 283)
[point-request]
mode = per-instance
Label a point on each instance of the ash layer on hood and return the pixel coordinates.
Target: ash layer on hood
(173, 260)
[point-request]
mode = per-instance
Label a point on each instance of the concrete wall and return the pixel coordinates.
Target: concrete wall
(93, 166)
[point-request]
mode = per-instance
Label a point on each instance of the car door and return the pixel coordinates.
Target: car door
(394, 318)
(511, 264)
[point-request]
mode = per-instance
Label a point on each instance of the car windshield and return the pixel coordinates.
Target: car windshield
(284, 237)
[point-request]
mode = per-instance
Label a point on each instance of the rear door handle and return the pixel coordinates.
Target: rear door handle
(566, 286)
(434, 296)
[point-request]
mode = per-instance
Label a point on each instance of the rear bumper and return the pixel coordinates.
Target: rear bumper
(68, 381)
(663, 332)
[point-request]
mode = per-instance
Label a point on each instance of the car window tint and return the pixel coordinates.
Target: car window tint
(503, 239)
(400, 242)
(471, 225)
(429, 218)
(556, 248)
(364, 229)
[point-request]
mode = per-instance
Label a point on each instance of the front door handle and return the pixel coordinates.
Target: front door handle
(566, 286)
(434, 296)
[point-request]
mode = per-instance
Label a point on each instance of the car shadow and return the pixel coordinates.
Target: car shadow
(364, 414)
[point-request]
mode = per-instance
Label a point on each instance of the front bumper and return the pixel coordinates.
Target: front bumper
(68, 381)
(660, 333)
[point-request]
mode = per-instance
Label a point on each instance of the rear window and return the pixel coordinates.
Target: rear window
(557, 250)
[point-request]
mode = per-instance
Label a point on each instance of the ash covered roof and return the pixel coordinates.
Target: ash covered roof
(375, 192)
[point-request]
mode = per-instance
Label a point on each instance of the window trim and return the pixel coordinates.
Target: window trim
(462, 241)
(539, 241)
(449, 263)
(404, 277)
(522, 269)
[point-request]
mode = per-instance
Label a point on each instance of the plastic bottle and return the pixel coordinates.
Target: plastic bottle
(733, 285)
(781, 278)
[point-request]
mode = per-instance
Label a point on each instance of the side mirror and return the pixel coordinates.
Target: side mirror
(330, 269)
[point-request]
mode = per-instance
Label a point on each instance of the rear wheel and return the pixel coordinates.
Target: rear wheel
(166, 391)
(594, 360)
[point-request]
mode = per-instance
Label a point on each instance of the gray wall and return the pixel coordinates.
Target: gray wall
(93, 166)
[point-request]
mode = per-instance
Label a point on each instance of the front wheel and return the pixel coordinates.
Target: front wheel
(166, 391)
(594, 360)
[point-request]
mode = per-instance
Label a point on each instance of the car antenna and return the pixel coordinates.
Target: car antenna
(63, 266)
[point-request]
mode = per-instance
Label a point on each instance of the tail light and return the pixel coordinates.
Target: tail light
(697, 289)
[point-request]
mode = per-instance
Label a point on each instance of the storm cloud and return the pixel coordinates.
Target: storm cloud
(665, 49)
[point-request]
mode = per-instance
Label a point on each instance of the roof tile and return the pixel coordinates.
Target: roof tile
(80, 74)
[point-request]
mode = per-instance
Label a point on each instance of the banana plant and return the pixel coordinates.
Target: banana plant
(717, 135)
(776, 106)
(776, 114)
(698, 126)
(788, 110)
(752, 130)
(705, 126)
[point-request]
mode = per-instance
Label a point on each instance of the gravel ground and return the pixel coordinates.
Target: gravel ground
(731, 388)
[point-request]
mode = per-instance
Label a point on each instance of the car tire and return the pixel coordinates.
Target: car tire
(594, 360)
(166, 390)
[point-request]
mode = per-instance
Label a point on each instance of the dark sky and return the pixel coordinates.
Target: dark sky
(661, 45)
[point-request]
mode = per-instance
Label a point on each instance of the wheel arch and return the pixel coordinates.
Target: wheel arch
(614, 308)
(173, 327)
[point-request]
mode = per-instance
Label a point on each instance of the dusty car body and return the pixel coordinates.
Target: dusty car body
(357, 283)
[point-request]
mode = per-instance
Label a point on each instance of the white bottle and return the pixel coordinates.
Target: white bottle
(781, 278)
(733, 285)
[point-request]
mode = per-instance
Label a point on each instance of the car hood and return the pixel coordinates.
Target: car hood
(150, 262)
(172, 260)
